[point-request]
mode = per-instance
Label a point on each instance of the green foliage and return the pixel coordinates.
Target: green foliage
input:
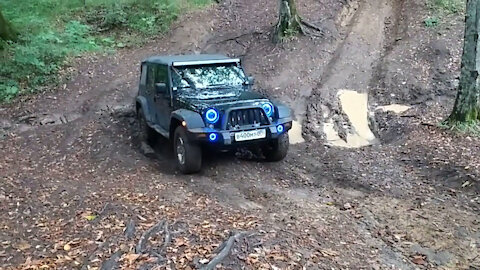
(442, 9)
(52, 31)
(36, 59)
(471, 128)
(290, 33)
(447, 6)
(431, 21)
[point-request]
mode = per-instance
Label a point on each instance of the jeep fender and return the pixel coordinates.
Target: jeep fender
(141, 103)
(283, 111)
(193, 119)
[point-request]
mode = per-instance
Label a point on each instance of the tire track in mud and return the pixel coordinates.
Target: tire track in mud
(354, 66)
(350, 69)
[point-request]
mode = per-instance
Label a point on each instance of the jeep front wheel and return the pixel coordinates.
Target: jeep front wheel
(147, 134)
(187, 154)
(277, 149)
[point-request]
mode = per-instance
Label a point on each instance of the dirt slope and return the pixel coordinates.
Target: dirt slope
(75, 183)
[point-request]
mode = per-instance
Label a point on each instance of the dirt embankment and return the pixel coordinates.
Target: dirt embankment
(75, 183)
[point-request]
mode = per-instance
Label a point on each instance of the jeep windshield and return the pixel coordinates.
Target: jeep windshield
(205, 77)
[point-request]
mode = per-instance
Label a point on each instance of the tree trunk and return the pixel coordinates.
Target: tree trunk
(6, 31)
(467, 106)
(289, 23)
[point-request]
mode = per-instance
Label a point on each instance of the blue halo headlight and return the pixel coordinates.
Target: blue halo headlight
(213, 137)
(280, 128)
(268, 108)
(212, 116)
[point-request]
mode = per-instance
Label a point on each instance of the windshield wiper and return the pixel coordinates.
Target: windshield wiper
(220, 85)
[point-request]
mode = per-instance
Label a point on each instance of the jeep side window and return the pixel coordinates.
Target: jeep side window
(150, 78)
(143, 77)
(161, 74)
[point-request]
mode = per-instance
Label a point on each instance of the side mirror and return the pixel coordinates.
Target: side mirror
(161, 88)
(250, 80)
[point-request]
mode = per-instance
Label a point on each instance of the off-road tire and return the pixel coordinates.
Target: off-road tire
(277, 149)
(146, 133)
(188, 154)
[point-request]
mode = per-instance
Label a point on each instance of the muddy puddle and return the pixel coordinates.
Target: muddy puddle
(355, 106)
(295, 134)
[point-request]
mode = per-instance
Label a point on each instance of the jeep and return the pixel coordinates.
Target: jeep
(207, 100)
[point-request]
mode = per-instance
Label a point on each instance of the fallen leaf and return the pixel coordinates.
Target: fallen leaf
(132, 257)
(91, 217)
(23, 245)
(418, 260)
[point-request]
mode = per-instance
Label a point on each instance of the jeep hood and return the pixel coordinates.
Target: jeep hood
(200, 99)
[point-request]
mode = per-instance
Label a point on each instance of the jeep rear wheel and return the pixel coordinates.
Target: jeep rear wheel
(187, 154)
(277, 149)
(147, 134)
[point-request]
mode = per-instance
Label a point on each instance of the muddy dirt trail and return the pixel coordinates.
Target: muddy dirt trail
(78, 193)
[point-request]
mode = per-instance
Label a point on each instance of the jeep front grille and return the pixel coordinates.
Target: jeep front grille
(253, 117)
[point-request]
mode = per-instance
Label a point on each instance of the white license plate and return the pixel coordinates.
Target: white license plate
(250, 135)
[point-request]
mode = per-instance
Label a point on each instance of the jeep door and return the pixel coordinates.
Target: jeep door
(162, 99)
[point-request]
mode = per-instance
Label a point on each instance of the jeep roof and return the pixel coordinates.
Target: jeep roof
(193, 59)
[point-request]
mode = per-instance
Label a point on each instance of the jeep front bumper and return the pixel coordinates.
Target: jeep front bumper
(227, 137)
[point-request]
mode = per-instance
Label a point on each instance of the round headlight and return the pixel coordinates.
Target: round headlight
(212, 116)
(268, 108)
(280, 128)
(212, 137)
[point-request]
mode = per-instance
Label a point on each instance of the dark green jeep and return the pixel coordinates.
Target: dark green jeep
(198, 100)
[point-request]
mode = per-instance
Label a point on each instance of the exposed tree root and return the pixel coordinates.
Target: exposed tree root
(168, 237)
(225, 247)
(146, 235)
(130, 229)
(112, 262)
(87, 261)
(309, 29)
(290, 23)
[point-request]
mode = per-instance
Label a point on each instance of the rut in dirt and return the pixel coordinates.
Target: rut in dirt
(338, 109)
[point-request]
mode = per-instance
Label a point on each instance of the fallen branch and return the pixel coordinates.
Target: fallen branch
(227, 247)
(427, 124)
(146, 235)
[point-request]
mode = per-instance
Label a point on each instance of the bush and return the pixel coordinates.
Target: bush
(449, 6)
(36, 59)
(53, 30)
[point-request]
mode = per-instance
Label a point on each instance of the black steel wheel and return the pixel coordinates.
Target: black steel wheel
(187, 154)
